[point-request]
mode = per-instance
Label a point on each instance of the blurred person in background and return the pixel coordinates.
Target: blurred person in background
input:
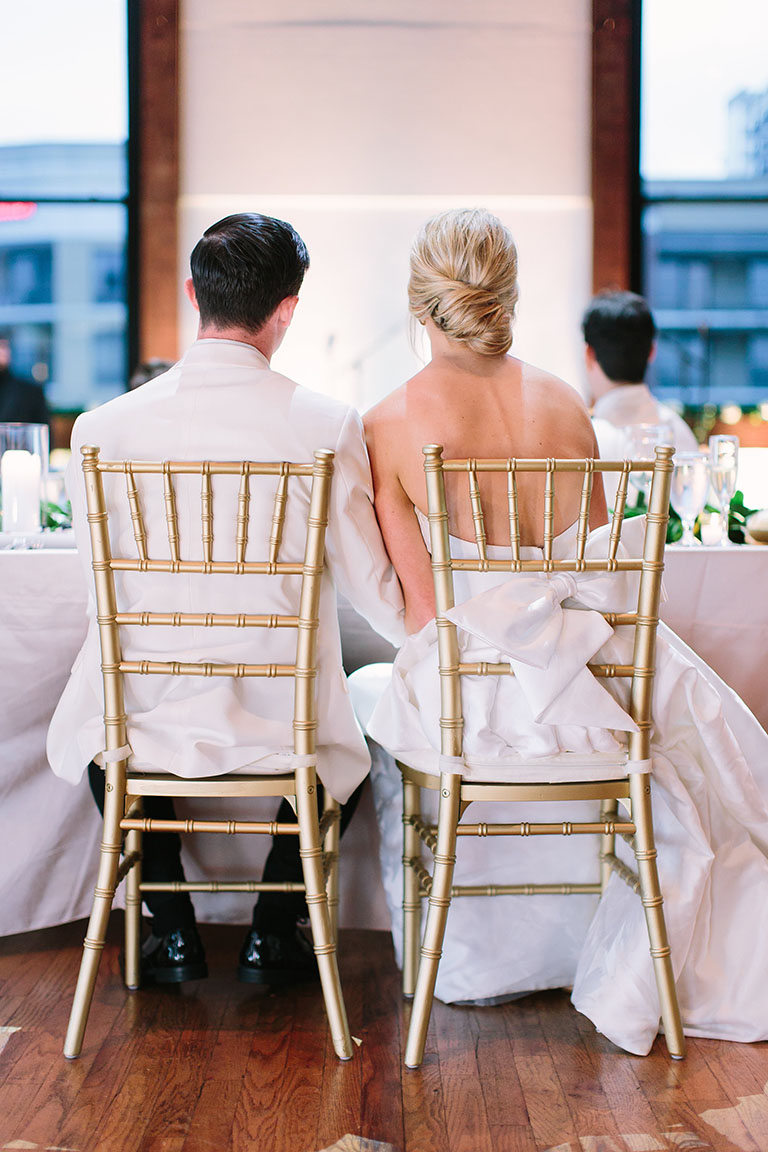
(620, 337)
(21, 401)
(147, 371)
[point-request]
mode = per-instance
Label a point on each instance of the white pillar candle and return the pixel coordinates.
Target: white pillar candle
(712, 530)
(20, 478)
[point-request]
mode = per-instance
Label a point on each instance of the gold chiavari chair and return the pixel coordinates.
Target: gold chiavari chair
(629, 783)
(124, 824)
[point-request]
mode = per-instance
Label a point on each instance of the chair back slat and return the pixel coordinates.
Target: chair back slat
(139, 531)
(570, 565)
(514, 512)
(642, 617)
(582, 527)
(207, 619)
(619, 508)
(230, 567)
(477, 511)
(278, 517)
(243, 509)
(549, 512)
(206, 516)
(171, 517)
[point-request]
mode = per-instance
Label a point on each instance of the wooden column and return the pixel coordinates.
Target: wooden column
(156, 127)
(615, 153)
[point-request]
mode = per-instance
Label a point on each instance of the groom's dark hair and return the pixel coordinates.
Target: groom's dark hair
(243, 266)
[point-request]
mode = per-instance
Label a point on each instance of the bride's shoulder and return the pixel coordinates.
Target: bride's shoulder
(532, 374)
(408, 398)
(387, 411)
(549, 387)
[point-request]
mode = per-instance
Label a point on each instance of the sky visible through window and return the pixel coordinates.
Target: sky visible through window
(63, 76)
(697, 54)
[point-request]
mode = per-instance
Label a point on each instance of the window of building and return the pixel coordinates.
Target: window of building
(704, 196)
(63, 199)
(108, 271)
(25, 274)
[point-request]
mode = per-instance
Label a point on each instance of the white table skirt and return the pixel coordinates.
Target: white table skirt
(49, 831)
(716, 602)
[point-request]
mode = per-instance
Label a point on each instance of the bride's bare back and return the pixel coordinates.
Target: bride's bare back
(484, 407)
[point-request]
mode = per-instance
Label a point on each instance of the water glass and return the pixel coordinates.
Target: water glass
(723, 473)
(690, 484)
(640, 443)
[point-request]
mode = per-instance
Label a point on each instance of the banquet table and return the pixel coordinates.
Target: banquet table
(49, 830)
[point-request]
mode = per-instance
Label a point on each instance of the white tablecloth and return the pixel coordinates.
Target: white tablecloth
(717, 603)
(49, 830)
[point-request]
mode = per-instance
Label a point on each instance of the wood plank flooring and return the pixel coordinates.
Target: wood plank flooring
(217, 1065)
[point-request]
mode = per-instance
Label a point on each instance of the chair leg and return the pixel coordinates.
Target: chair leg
(331, 852)
(437, 915)
(311, 854)
(103, 895)
(133, 842)
(411, 887)
(650, 892)
(608, 812)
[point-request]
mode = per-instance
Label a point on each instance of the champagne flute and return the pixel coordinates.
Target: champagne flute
(690, 484)
(723, 471)
(640, 443)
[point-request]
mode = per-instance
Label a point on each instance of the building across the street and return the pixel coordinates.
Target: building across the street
(62, 269)
(705, 263)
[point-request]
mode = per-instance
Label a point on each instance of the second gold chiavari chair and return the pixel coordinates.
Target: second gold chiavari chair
(126, 784)
(610, 778)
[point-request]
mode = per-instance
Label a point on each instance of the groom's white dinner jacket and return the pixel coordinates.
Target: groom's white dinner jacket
(223, 402)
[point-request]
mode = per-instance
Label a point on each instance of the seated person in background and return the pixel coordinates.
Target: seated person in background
(222, 401)
(21, 401)
(147, 371)
(709, 754)
(620, 332)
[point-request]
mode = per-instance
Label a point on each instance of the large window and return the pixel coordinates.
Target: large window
(704, 169)
(63, 198)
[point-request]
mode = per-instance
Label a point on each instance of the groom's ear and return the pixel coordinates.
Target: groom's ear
(189, 288)
(285, 310)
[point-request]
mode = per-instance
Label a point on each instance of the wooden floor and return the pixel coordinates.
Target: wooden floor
(218, 1065)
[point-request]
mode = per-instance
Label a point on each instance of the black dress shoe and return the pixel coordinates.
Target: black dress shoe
(276, 958)
(173, 958)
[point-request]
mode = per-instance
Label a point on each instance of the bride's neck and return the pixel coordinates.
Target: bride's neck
(455, 356)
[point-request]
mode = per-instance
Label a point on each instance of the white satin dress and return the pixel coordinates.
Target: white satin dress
(710, 805)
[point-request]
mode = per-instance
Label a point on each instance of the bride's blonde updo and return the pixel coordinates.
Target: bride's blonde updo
(464, 277)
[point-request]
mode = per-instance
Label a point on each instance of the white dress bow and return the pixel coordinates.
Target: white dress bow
(546, 626)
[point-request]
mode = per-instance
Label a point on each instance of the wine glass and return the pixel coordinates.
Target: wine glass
(640, 443)
(723, 470)
(690, 484)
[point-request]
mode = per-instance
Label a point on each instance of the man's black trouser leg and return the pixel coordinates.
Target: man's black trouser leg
(279, 911)
(161, 860)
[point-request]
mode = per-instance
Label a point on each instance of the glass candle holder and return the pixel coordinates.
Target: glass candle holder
(23, 472)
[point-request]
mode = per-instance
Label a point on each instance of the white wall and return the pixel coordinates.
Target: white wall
(356, 121)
